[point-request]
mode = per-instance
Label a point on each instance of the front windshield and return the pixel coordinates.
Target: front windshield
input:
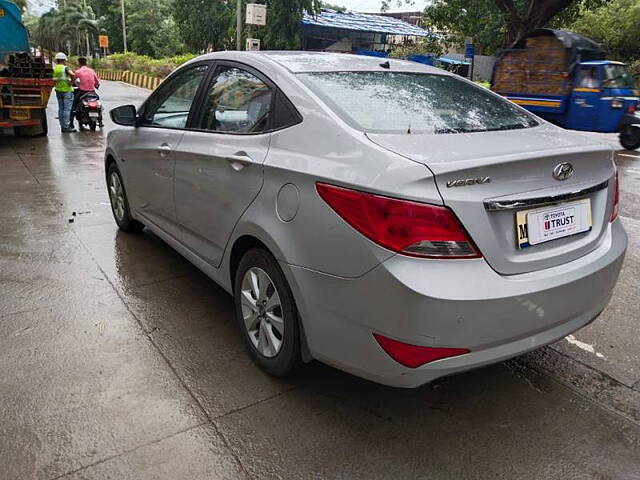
(617, 76)
(400, 102)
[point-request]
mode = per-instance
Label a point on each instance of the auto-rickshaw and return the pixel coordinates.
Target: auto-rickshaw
(563, 77)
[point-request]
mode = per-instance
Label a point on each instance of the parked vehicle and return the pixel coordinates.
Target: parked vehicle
(89, 111)
(25, 82)
(564, 78)
(390, 219)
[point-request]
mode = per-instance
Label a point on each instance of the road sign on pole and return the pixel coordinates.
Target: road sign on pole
(103, 41)
(256, 14)
(469, 53)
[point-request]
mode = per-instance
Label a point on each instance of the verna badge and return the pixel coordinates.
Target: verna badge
(468, 181)
(562, 171)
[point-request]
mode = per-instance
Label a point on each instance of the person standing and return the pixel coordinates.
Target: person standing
(87, 81)
(63, 76)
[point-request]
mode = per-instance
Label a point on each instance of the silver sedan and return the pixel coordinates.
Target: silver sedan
(385, 217)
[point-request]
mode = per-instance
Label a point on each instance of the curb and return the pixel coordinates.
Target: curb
(132, 78)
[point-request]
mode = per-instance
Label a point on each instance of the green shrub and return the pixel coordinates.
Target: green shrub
(132, 62)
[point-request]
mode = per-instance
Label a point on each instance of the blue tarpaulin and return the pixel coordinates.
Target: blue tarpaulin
(452, 61)
(13, 34)
(364, 23)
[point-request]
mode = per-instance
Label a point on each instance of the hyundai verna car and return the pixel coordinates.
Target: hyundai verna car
(390, 219)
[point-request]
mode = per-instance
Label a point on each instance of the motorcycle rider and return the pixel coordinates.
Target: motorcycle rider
(88, 82)
(63, 76)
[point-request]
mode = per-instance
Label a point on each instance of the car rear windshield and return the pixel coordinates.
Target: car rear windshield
(395, 102)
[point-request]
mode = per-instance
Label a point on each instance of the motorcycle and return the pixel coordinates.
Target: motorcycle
(89, 111)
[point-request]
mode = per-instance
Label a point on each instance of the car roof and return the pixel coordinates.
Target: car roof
(296, 61)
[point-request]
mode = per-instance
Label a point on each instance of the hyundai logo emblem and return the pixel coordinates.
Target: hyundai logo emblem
(562, 171)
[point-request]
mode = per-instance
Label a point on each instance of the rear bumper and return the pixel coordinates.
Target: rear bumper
(450, 303)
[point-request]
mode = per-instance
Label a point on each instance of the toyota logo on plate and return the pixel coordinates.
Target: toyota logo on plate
(562, 171)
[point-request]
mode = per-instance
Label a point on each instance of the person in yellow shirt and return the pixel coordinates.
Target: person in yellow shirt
(63, 76)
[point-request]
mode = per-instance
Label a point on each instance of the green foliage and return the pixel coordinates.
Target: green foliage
(480, 19)
(143, 64)
(282, 31)
(331, 6)
(419, 47)
(205, 24)
(634, 68)
(615, 25)
(74, 26)
(498, 23)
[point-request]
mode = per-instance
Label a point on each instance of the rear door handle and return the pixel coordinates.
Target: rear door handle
(164, 150)
(239, 160)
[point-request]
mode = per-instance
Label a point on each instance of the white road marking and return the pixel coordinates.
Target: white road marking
(584, 346)
(628, 155)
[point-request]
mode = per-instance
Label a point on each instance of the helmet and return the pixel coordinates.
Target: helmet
(60, 56)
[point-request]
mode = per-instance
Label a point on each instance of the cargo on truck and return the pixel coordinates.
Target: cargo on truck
(565, 78)
(25, 80)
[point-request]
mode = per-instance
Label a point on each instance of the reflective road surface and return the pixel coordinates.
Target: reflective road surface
(120, 360)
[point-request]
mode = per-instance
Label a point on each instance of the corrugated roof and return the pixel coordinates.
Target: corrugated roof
(364, 23)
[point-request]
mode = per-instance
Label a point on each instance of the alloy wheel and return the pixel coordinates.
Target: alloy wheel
(116, 195)
(262, 312)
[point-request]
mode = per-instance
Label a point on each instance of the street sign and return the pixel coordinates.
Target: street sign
(103, 41)
(256, 14)
(468, 51)
(252, 44)
(468, 47)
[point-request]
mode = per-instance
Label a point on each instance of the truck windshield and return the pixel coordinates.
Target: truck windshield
(401, 102)
(617, 76)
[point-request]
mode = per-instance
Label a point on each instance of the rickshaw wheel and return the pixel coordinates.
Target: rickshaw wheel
(630, 138)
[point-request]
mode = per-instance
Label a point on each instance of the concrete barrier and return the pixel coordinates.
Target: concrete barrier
(132, 78)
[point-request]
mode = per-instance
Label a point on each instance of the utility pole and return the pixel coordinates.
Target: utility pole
(124, 27)
(239, 25)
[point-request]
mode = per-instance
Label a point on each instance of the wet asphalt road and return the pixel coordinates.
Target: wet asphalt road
(120, 360)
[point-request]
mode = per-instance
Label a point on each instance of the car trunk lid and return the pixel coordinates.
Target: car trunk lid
(486, 178)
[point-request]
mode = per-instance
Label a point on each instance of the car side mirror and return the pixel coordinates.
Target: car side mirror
(125, 115)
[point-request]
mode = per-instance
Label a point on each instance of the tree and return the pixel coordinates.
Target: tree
(499, 23)
(331, 6)
(152, 30)
(205, 24)
(282, 31)
(615, 25)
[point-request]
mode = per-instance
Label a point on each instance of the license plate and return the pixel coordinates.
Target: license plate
(550, 223)
(94, 114)
(19, 114)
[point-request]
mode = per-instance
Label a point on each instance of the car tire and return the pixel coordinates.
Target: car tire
(267, 313)
(119, 201)
(630, 137)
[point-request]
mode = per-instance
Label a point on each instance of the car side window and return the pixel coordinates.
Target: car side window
(169, 107)
(236, 102)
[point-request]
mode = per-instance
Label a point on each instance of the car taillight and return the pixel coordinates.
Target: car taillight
(616, 198)
(631, 108)
(413, 356)
(410, 228)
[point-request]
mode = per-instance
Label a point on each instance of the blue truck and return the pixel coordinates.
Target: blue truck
(25, 81)
(565, 78)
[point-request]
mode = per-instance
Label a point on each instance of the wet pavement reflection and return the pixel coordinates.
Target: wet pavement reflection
(121, 360)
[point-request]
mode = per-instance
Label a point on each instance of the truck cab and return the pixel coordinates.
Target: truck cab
(602, 93)
(564, 78)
